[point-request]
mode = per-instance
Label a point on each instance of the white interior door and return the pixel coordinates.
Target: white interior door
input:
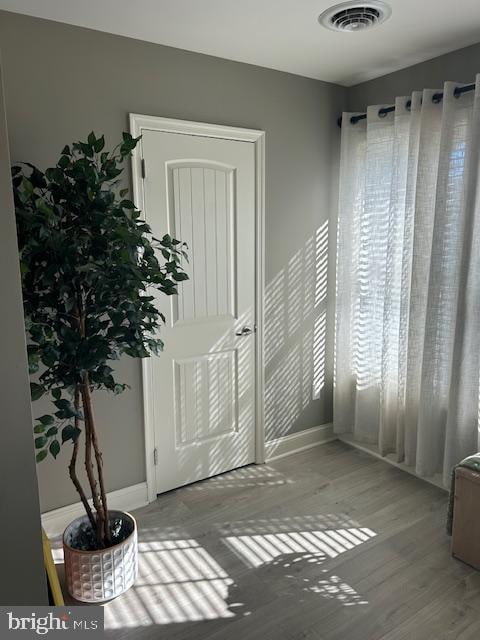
(202, 190)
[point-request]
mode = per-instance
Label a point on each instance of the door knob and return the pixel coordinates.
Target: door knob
(244, 331)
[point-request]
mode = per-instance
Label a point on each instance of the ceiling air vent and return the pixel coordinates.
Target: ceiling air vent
(355, 16)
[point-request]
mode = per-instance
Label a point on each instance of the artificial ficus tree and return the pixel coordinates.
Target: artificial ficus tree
(89, 265)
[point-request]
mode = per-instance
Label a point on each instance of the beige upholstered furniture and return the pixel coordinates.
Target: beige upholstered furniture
(466, 517)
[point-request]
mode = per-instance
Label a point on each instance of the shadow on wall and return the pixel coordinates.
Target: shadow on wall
(295, 335)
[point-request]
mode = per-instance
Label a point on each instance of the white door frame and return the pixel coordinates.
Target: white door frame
(138, 124)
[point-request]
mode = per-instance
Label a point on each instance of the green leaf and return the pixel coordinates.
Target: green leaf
(70, 432)
(65, 409)
(33, 366)
(36, 391)
(64, 162)
(54, 448)
(57, 393)
(37, 178)
(99, 144)
(43, 207)
(46, 420)
(41, 455)
(40, 442)
(39, 428)
(52, 432)
(87, 150)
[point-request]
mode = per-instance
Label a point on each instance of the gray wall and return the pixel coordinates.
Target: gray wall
(63, 81)
(460, 66)
(23, 581)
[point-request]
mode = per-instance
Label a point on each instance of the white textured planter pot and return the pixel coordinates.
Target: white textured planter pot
(96, 576)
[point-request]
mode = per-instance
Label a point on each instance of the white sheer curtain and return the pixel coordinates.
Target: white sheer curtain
(408, 280)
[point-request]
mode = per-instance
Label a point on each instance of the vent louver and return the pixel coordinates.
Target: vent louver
(355, 16)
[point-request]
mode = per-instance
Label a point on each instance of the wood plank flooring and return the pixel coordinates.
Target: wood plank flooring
(327, 544)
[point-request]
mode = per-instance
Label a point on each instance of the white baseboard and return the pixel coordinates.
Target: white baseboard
(372, 450)
(54, 522)
(134, 497)
(295, 442)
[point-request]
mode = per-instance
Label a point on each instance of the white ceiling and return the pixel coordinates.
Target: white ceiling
(280, 34)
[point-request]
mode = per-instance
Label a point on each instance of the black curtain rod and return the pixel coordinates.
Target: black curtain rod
(437, 97)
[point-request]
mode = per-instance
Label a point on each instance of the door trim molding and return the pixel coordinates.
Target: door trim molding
(138, 124)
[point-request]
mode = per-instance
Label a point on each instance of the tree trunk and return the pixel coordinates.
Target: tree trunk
(100, 517)
(103, 525)
(72, 468)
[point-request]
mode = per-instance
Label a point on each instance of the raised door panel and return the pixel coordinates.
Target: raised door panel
(205, 391)
(202, 213)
